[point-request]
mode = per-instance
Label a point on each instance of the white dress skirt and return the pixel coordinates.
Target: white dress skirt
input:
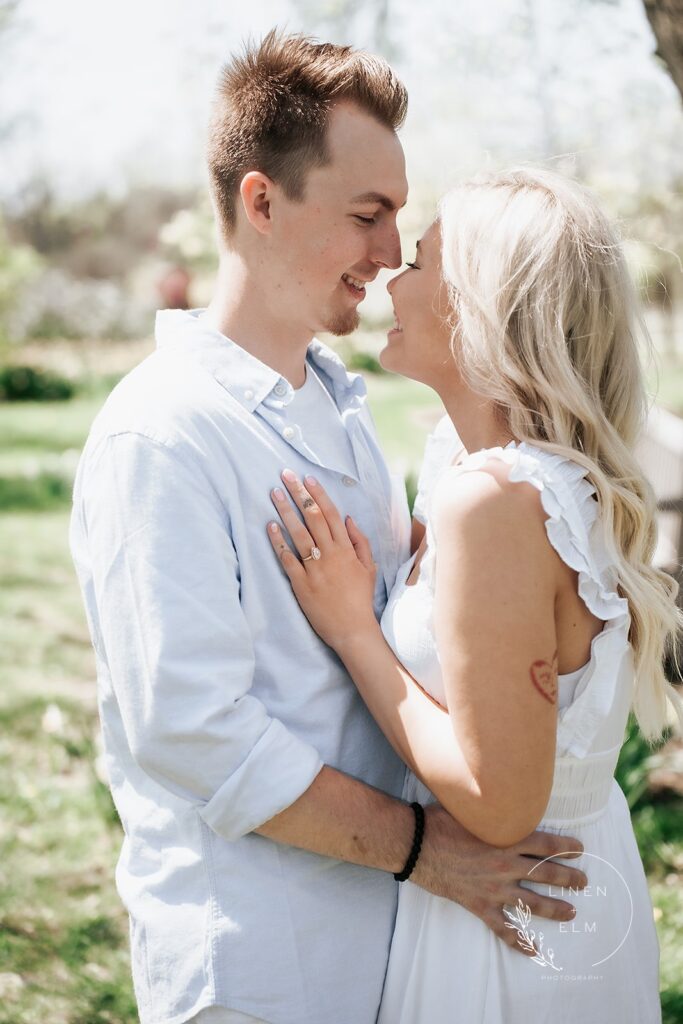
(445, 965)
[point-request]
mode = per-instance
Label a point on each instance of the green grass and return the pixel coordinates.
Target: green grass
(47, 427)
(63, 932)
(404, 413)
(39, 447)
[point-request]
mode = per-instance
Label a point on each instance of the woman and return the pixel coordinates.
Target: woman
(530, 619)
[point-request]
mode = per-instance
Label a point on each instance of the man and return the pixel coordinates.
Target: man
(259, 799)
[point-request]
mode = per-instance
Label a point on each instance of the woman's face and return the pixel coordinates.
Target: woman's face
(418, 345)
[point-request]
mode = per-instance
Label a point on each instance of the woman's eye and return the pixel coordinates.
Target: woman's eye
(413, 266)
(365, 220)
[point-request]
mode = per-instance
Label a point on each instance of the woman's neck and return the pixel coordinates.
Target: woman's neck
(476, 420)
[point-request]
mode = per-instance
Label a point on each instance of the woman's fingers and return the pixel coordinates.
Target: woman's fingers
(319, 513)
(328, 509)
(290, 563)
(302, 539)
(360, 543)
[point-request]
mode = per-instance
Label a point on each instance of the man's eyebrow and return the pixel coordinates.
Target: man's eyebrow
(377, 197)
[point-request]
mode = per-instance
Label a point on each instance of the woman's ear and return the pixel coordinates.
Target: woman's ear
(256, 191)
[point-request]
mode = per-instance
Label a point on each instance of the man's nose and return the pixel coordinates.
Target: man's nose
(388, 253)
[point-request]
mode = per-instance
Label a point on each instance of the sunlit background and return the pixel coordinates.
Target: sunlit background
(104, 218)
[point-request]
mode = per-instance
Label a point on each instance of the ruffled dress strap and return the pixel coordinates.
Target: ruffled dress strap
(574, 529)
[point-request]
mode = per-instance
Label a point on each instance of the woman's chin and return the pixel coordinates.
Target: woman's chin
(389, 357)
(390, 360)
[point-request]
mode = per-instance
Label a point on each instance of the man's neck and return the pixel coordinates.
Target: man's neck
(238, 311)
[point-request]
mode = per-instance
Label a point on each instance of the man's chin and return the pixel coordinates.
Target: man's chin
(342, 323)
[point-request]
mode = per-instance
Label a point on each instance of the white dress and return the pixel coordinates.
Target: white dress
(445, 965)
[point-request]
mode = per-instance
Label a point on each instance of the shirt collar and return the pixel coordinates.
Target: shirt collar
(244, 376)
(326, 360)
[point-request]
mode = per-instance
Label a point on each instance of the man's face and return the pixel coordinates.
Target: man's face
(323, 250)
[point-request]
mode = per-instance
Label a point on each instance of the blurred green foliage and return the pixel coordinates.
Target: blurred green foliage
(634, 765)
(364, 362)
(33, 384)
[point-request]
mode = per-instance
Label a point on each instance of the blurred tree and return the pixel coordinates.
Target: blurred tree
(666, 19)
(19, 265)
(102, 238)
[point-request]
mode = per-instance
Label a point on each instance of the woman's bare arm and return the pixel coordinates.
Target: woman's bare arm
(490, 761)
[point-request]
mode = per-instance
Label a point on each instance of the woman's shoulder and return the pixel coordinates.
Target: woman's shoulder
(525, 464)
(481, 502)
(518, 488)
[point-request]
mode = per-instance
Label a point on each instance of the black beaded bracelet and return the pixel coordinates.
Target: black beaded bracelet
(419, 810)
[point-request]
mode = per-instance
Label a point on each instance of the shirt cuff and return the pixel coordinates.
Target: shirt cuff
(279, 768)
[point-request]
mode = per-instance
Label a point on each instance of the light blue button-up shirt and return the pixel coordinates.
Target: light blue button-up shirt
(218, 702)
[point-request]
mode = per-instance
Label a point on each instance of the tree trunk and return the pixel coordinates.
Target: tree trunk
(666, 19)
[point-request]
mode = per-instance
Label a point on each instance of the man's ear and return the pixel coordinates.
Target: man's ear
(256, 192)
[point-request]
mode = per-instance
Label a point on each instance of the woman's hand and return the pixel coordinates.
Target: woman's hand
(333, 577)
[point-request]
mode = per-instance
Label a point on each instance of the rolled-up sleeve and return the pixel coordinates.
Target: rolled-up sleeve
(170, 625)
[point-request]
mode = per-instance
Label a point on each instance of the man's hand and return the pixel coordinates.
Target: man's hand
(484, 879)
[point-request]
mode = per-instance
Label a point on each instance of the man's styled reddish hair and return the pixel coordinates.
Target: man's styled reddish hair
(272, 105)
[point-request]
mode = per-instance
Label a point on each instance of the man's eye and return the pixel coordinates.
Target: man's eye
(364, 220)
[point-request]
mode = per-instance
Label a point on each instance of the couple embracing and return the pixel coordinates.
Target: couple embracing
(276, 642)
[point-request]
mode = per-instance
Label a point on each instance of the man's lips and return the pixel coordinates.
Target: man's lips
(355, 286)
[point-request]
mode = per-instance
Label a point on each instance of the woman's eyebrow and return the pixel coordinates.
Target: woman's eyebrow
(377, 197)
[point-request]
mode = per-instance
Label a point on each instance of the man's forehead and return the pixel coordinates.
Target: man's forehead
(366, 158)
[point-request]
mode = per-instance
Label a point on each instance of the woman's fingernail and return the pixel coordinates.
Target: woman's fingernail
(273, 527)
(310, 481)
(288, 475)
(279, 494)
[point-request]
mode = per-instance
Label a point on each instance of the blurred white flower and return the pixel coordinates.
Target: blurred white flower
(53, 720)
(10, 985)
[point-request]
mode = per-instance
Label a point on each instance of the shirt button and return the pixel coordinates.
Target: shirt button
(249, 394)
(348, 481)
(280, 389)
(288, 433)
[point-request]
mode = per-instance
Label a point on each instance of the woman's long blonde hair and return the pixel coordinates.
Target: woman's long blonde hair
(544, 324)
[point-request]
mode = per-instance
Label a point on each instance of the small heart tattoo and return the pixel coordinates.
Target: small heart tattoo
(544, 677)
